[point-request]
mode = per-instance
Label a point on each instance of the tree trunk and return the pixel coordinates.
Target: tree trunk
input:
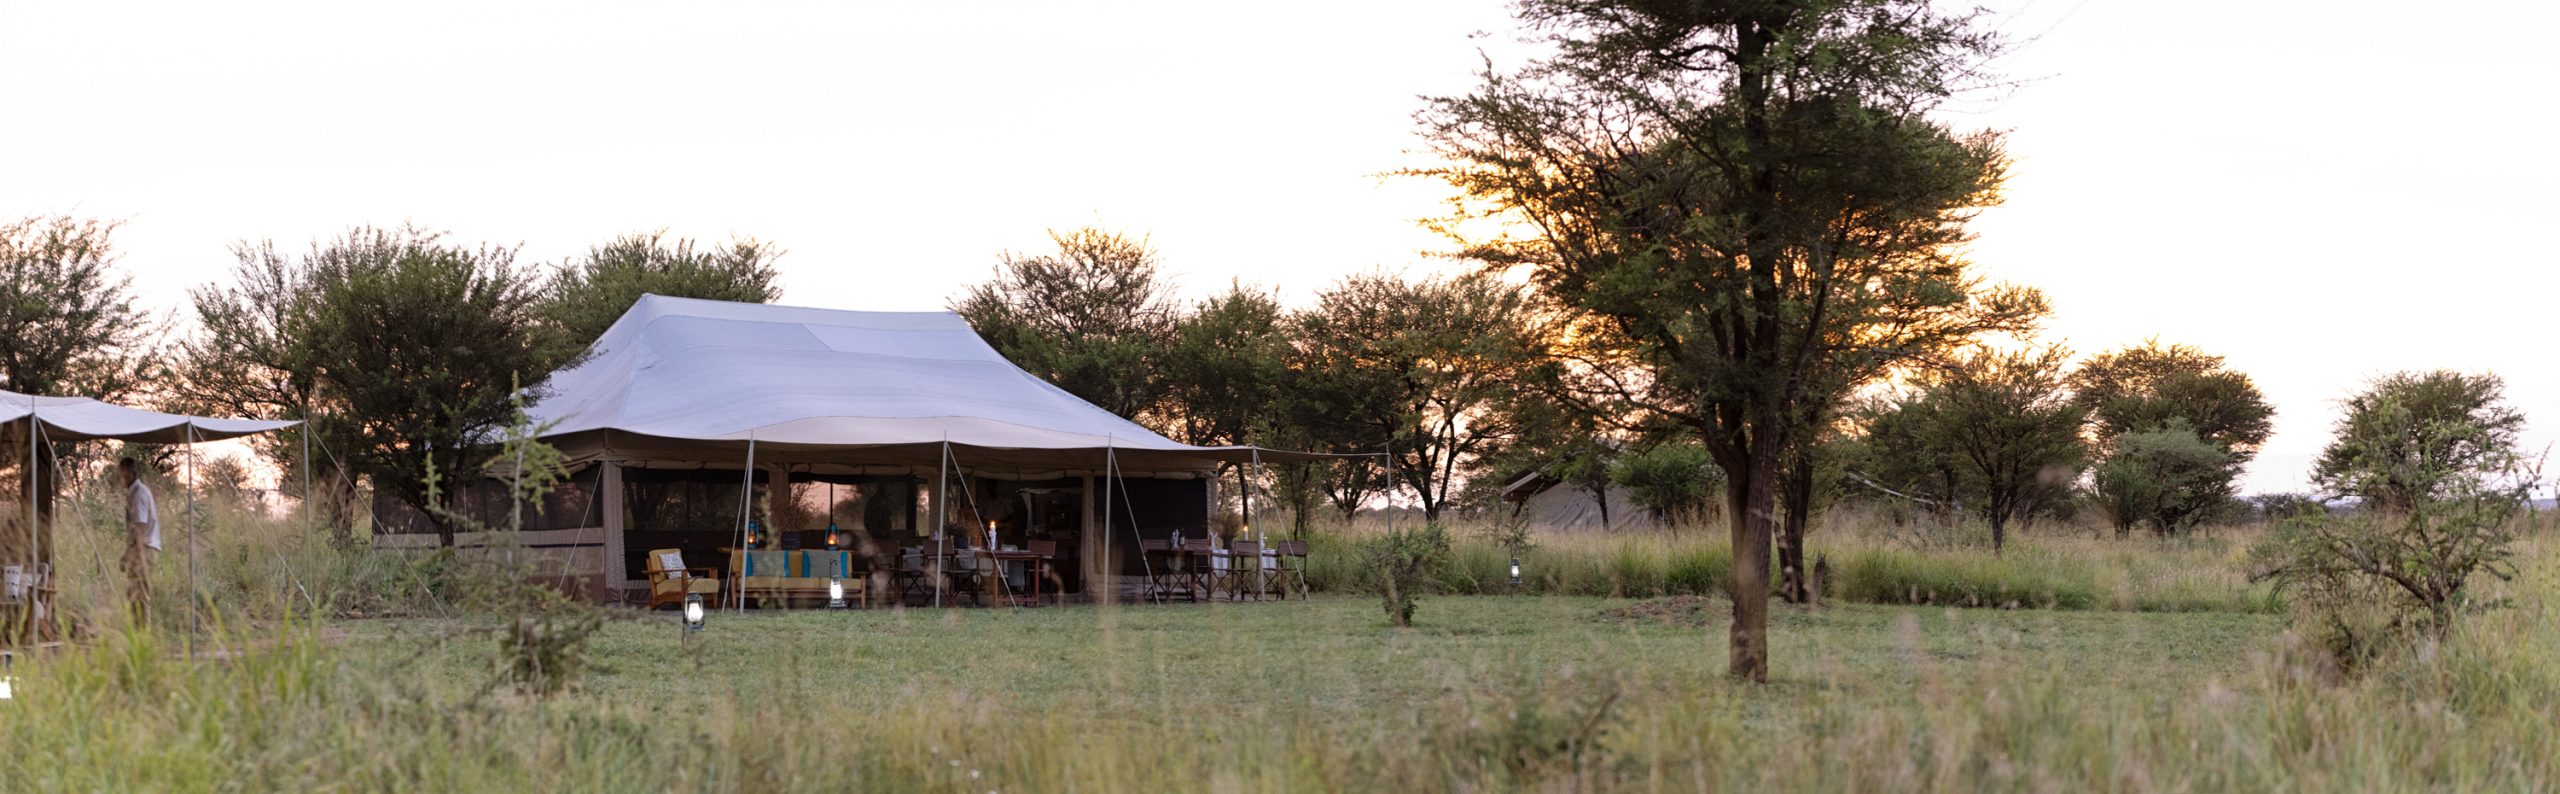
(1754, 521)
(1799, 513)
(1600, 494)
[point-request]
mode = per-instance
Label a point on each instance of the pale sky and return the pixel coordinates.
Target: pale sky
(2321, 191)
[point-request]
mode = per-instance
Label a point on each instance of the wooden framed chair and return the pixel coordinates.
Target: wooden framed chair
(1047, 569)
(1161, 573)
(670, 580)
(1292, 572)
(1244, 566)
(1199, 568)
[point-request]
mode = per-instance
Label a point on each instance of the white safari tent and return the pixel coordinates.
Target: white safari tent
(886, 424)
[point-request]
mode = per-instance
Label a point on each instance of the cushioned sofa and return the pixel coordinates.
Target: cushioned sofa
(768, 576)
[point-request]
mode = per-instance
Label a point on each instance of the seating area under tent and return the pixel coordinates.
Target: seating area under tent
(32, 426)
(760, 455)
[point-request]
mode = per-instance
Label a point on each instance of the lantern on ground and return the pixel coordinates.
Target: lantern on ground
(692, 612)
(8, 677)
(1515, 570)
(835, 594)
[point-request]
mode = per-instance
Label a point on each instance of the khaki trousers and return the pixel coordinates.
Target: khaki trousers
(137, 572)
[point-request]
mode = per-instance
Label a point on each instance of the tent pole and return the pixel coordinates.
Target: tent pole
(1110, 469)
(941, 516)
(34, 427)
(746, 513)
(194, 593)
(306, 476)
(1260, 533)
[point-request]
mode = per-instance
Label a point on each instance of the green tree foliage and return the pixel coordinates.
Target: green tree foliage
(251, 357)
(589, 292)
(1437, 370)
(68, 327)
(1676, 482)
(2173, 393)
(2433, 457)
(398, 347)
(2147, 386)
(1749, 207)
(1401, 563)
(1224, 371)
(1096, 317)
(1222, 378)
(2007, 428)
(68, 324)
(2415, 431)
(2169, 478)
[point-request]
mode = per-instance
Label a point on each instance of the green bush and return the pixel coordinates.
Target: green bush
(1401, 563)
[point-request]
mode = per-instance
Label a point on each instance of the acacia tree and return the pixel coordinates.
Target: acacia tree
(589, 292)
(2005, 423)
(401, 351)
(1435, 370)
(68, 326)
(1750, 206)
(1095, 318)
(2412, 434)
(251, 357)
(2433, 457)
(1222, 374)
(2168, 476)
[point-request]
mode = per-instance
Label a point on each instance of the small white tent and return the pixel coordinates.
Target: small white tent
(46, 420)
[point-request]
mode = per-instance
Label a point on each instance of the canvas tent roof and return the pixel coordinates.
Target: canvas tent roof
(84, 419)
(678, 379)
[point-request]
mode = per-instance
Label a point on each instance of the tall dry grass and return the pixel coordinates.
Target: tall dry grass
(2060, 567)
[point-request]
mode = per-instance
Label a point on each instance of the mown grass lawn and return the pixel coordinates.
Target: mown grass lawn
(1335, 656)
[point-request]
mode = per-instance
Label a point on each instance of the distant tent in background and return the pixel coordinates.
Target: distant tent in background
(687, 408)
(47, 420)
(1552, 504)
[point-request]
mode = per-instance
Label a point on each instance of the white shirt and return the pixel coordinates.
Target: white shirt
(142, 514)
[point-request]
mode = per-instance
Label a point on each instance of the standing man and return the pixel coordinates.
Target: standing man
(142, 536)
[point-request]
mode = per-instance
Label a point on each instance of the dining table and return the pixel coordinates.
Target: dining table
(1036, 567)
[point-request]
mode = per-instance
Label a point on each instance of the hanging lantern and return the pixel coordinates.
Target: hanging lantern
(835, 536)
(755, 533)
(692, 612)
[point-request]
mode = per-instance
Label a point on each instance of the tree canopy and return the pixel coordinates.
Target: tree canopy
(589, 292)
(1094, 317)
(2411, 432)
(1748, 205)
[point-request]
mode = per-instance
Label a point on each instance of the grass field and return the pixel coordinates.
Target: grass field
(1545, 691)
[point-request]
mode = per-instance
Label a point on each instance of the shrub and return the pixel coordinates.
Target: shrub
(1678, 483)
(2433, 459)
(1400, 563)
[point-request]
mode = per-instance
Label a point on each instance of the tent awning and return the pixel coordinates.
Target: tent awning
(84, 419)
